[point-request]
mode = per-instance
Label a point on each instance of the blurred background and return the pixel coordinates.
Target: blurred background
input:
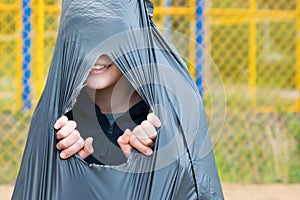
(254, 47)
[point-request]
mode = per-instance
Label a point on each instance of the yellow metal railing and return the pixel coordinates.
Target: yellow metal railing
(256, 46)
(10, 7)
(40, 46)
(42, 59)
(251, 17)
(18, 64)
(297, 104)
(252, 55)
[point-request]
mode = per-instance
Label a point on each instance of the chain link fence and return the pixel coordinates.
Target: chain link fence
(253, 45)
(14, 85)
(27, 37)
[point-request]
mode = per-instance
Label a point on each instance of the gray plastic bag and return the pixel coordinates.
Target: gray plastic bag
(183, 164)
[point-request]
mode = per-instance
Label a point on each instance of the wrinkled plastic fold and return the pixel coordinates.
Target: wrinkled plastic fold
(123, 30)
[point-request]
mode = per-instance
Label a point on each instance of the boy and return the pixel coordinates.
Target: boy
(100, 84)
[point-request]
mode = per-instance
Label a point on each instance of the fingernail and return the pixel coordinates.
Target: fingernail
(159, 124)
(149, 152)
(154, 135)
(63, 155)
(127, 131)
(58, 136)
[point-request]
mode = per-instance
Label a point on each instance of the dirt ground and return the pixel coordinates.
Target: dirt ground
(231, 192)
(261, 192)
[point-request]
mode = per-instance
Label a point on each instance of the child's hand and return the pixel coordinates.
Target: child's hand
(141, 138)
(70, 140)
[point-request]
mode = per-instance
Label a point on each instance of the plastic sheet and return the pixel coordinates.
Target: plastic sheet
(123, 30)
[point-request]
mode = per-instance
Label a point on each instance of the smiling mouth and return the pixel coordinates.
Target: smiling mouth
(99, 67)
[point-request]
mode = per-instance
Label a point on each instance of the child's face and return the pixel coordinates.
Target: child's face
(104, 74)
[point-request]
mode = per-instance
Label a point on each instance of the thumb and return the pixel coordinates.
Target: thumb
(123, 142)
(87, 148)
(124, 139)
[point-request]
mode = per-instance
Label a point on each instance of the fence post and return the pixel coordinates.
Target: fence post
(297, 105)
(252, 54)
(40, 46)
(200, 42)
(192, 47)
(26, 46)
(18, 53)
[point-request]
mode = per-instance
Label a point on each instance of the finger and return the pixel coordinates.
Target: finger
(153, 119)
(134, 142)
(70, 151)
(60, 122)
(142, 136)
(149, 129)
(87, 149)
(123, 142)
(124, 139)
(66, 130)
(68, 141)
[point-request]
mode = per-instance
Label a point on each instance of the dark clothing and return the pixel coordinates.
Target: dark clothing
(88, 117)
